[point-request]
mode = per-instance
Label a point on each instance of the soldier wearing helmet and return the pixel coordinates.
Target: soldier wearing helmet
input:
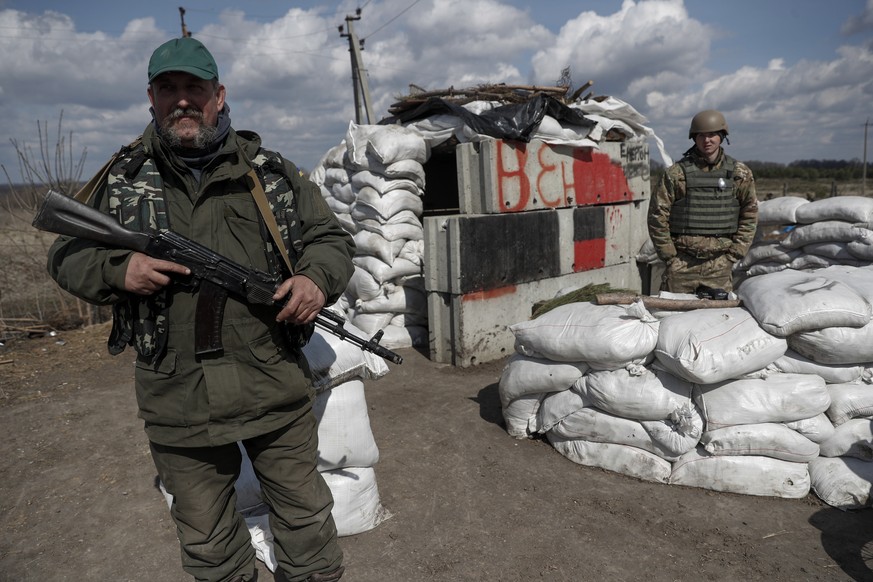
(703, 214)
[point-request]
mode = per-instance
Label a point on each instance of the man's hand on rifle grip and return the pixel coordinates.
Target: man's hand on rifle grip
(305, 300)
(146, 275)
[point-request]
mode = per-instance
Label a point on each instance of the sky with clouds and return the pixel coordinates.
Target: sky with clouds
(793, 77)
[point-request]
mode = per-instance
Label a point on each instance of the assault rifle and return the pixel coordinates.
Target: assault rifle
(217, 275)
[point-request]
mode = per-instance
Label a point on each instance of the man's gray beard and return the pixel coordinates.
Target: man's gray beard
(204, 137)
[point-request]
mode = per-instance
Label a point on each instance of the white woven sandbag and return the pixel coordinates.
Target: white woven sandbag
(822, 232)
(622, 459)
(836, 251)
(604, 336)
(558, 407)
(370, 204)
(593, 425)
(398, 299)
(521, 415)
(370, 243)
(747, 475)
(711, 345)
(860, 279)
(334, 361)
(345, 438)
(782, 210)
(370, 323)
(393, 230)
(818, 428)
(678, 434)
(347, 222)
(525, 375)
(789, 302)
(842, 482)
(363, 286)
(847, 208)
(849, 400)
(794, 363)
(343, 192)
(356, 504)
(392, 143)
(862, 247)
(776, 398)
(407, 169)
(767, 439)
(382, 272)
(853, 438)
(406, 336)
(639, 393)
(381, 184)
(764, 268)
(835, 345)
(771, 252)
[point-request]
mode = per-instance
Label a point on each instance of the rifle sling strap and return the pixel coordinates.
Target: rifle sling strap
(264, 206)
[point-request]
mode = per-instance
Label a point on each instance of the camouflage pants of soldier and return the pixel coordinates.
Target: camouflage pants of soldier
(684, 273)
(216, 544)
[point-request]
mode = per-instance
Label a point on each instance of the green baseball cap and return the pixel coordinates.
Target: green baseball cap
(185, 54)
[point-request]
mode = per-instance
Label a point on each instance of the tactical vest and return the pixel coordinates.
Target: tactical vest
(135, 192)
(710, 206)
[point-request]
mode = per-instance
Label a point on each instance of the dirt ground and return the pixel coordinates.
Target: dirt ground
(78, 500)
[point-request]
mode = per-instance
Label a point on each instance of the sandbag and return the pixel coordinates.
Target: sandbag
(818, 428)
(853, 438)
(593, 425)
(345, 438)
(764, 439)
(640, 393)
(842, 482)
(334, 361)
(521, 415)
(622, 459)
(712, 345)
(794, 363)
(849, 400)
(835, 345)
(781, 210)
(604, 336)
(776, 398)
(356, 504)
(789, 302)
(525, 375)
(822, 232)
(846, 208)
(747, 475)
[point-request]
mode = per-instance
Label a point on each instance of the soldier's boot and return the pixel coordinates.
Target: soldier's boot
(329, 577)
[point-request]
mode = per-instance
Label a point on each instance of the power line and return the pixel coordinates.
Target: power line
(399, 14)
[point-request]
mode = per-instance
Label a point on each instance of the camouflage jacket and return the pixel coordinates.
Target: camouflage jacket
(256, 384)
(672, 188)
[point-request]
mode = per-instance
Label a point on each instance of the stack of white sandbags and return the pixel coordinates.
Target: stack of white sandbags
(794, 233)
(825, 315)
(374, 182)
(686, 398)
(347, 450)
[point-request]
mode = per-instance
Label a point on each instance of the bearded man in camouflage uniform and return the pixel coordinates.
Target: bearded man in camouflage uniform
(703, 215)
(191, 172)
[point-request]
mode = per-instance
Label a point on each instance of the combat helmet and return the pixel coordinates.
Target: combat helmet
(708, 121)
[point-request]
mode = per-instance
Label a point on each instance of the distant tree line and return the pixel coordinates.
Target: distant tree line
(837, 170)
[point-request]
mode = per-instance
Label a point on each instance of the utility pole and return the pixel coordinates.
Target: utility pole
(360, 85)
(185, 32)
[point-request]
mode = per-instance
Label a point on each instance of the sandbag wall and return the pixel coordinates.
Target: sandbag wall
(374, 182)
(770, 398)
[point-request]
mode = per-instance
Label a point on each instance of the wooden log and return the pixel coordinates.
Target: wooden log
(663, 303)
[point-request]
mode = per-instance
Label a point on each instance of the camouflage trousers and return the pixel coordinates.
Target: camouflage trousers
(684, 273)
